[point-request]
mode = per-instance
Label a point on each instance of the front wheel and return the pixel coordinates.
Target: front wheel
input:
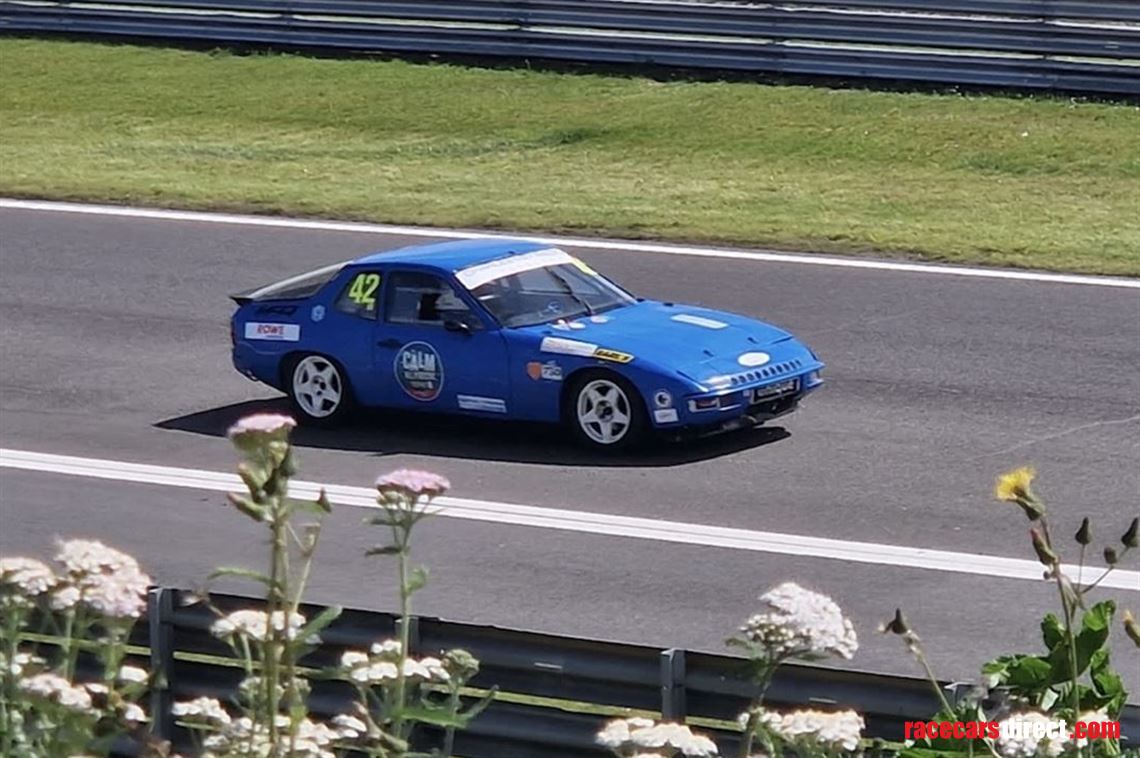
(318, 391)
(605, 412)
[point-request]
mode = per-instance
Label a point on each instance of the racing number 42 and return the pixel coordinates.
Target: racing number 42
(363, 289)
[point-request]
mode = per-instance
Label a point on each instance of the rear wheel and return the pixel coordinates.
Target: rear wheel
(606, 412)
(318, 390)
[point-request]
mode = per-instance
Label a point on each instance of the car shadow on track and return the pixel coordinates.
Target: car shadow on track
(393, 432)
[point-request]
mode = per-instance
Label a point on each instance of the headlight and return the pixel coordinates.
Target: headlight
(813, 379)
(704, 404)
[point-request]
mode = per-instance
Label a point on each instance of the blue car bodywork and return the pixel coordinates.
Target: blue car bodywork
(692, 368)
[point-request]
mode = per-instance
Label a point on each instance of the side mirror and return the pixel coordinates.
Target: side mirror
(453, 325)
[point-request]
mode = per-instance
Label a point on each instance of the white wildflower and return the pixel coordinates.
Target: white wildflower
(65, 597)
(389, 649)
(260, 425)
(1020, 736)
(623, 735)
(310, 741)
(108, 581)
(352, 659)
(202, 710)
(349, 727)
(616, 733)
(134, 714)
(20, 662)
(838, 730)
(133, 674)
(800, 622)
(1087, 717)
(427, 669)
(255, 625)
(25, 576)
(316, 732)
(375, 673)
(58, 690)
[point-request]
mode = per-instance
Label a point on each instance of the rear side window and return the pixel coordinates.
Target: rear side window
(361, 296)
(300, 286)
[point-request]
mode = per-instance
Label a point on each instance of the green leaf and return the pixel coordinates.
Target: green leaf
(241, 573)
(319, 622)
(1053, 631)
(1029, 673)
(417, 578)
(1099, 617)
(434, 715)
(1099, 661)
(1094, 632)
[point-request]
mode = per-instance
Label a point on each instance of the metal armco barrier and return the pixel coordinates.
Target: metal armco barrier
(1072, 45)
(674, 683)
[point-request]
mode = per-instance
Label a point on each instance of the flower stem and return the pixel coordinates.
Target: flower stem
(405, 635)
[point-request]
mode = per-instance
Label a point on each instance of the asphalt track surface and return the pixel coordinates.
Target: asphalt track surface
(115, 345)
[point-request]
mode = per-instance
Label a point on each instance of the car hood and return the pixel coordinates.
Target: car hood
(701, 343)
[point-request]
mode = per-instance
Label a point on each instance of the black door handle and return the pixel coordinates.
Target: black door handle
(390, 342)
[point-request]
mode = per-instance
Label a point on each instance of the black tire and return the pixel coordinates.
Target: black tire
(330, 391)
(614, 396)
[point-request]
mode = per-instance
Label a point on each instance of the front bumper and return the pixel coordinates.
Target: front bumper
(740, 409)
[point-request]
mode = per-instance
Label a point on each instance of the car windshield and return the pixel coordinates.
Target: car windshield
(535, 288)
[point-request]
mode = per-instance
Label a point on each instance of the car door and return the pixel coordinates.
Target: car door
(439, 351)
(345, 323)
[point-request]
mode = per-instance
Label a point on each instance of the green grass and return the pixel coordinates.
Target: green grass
(1030, 182)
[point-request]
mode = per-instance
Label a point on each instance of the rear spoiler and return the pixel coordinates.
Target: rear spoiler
(243, 298)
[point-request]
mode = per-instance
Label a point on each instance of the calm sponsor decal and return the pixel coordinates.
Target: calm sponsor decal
(419, 370)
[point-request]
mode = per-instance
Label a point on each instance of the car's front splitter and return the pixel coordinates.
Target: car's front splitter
(756, 416)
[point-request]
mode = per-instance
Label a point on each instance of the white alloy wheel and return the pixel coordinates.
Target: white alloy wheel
(318, 389)
(604, 412)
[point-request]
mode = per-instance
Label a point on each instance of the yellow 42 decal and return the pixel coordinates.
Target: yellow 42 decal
(363, 289)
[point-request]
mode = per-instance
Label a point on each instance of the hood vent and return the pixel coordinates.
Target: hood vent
(767, 372)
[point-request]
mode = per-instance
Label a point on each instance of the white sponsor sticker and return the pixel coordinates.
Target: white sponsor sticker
(475, 403)
(564, 346)
(476, 276)
(753, 359)
(707, 323)
(273, 332)
(665, 416)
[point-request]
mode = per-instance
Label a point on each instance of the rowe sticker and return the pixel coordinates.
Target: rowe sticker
(273, 332)
(419, 370)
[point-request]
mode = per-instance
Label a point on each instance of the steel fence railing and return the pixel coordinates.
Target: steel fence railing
(1073, 45)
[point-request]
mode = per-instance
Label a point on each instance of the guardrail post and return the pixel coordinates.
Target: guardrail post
(159, 614)
(673, 685)
(413, 633)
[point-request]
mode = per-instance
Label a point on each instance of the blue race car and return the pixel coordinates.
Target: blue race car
(512, 329)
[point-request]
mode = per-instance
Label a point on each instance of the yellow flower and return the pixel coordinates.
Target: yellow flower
(1013, 486)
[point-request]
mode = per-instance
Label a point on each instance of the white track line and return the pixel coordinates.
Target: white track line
(594, 244)
(575, 521)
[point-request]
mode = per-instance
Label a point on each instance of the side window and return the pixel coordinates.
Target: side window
(425, 299)
(361, 295)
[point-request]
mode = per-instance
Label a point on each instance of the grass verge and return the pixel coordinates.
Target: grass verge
(1026, 182)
